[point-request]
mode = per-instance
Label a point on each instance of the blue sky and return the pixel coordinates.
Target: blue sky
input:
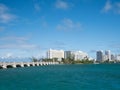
(30, 27)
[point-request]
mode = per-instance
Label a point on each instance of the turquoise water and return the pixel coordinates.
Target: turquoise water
(62, 77)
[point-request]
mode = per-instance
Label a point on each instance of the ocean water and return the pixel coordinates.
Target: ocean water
(62, 77)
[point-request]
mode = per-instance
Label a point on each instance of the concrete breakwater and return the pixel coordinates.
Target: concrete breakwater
(4, 65)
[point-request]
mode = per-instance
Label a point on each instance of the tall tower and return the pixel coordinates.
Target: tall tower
(108, 54)
(112, 57)
(99, 55)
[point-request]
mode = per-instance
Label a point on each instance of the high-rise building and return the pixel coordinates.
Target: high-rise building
(118, 57)
(112, 57)
(55, 54)
(79, 55)
(108, 54)
(100, 56)
(68, 54)
(105, 57)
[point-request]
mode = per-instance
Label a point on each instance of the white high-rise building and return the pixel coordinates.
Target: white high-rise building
(108, 55)
(55, 54)
(118, 57)
(79, 55)
(105, 57)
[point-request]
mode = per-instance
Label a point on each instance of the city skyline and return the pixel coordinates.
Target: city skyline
(29, 28)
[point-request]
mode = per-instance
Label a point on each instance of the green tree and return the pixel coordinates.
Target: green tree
(34, 59)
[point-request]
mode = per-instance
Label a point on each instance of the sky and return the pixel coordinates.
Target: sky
(31, 27)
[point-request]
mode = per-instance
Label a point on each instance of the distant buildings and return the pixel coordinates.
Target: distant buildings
(101, 55)
(76, 55)
(107, 56)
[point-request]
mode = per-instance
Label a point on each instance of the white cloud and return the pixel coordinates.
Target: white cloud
(29, 46)
(14, 39)
(19, 46)
(62, 4)
(68, 24)
(13, 42)
(111, 7)
(5, 15)
(3, 8)
(107, 7)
